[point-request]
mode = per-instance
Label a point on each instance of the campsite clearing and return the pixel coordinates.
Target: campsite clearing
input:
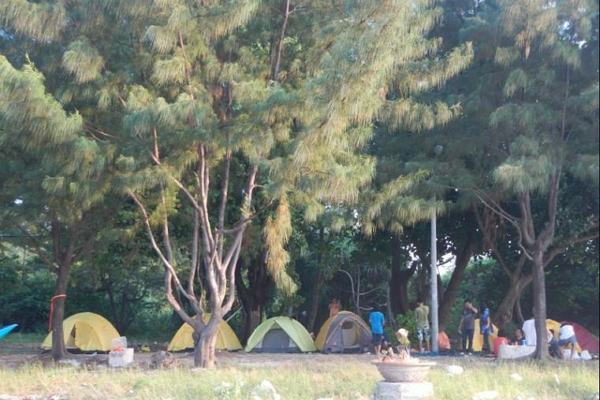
(294, 376)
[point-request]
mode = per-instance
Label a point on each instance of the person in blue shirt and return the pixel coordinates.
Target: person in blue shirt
(377, 321)
(485, 327)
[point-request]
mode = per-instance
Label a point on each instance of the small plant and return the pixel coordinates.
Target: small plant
(406, 321)
(231, 391)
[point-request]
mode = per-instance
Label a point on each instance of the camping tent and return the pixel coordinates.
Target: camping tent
(345, 332)
(280, 335)
(554, 326)
(6, 330)
(226, 338)
(478, 339)
(86, 332)
(586, 339)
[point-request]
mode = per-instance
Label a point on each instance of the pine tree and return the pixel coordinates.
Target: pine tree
(52, 181)
(217, 94)
(548, 137)
(59, 117)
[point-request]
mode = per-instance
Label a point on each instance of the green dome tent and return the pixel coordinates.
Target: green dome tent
(280, 335)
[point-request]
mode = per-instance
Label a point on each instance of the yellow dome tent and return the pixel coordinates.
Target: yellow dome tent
(86, 332)
(226, 338)
(478, 339)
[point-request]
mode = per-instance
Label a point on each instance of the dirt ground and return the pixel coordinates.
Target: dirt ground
(18, 355)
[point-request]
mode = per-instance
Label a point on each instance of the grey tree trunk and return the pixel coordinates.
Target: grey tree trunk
(59, 350)
(539, 290)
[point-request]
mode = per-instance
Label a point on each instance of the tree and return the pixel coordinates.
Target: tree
(304, 128)
(54, 180)
(546, 138)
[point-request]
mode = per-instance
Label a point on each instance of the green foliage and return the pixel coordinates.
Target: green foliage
(378, 107)
(406, 321)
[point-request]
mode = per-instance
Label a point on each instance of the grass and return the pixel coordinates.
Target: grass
(23, 338)
(338, 379)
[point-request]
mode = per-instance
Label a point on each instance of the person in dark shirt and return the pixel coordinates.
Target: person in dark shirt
(519, 339)
(486, 327)
(467, 326)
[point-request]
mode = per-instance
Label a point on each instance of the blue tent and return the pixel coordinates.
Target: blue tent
(6, 330)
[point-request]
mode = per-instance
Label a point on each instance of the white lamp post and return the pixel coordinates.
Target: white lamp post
(435, 323)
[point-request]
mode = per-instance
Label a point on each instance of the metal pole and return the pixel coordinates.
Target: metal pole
(434, 286)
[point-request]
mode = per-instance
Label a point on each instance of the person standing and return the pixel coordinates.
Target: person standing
(486, 327)
(377, 321)
(422, 319)
(530, 331)
(467, 326)
(567, 337)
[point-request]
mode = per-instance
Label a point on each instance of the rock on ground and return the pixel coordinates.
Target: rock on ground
(266, 391)
(489, 395)
(403, 391)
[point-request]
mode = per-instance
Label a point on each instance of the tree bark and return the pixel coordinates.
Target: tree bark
(519, 310)
(59, 350)
(316, 299)
(539, 295)
(253, 296)
(204, 349)
(451, 292)
(278, 51)
(504, 313)
(400, 279)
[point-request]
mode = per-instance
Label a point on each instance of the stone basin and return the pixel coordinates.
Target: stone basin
(412, 371)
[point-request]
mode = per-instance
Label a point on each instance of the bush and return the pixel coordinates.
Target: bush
(406, 321)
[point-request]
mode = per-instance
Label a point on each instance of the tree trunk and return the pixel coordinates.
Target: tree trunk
(59, 350)
(252, 321)
(204, 351)
(399, 279)
(504, 313)
(399, 291)
(539, 295)
(462, 262)
(390, 312)
(519, 310)
(253, 296)
(316, 299)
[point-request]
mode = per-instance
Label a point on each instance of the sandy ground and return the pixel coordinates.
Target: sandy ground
(18, 355)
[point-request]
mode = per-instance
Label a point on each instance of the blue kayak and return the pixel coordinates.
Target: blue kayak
(6, 330)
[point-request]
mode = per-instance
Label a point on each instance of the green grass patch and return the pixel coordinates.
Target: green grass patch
(353, 380)
(23, 338)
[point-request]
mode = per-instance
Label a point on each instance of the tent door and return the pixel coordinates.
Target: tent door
(350, 335)
(277, 339)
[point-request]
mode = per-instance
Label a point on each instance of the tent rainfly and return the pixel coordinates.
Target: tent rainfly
(344, 332)
(478, 339)
(6, 330)
(86, 332)
(226, 338)
(586, 339)
(280, 335)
